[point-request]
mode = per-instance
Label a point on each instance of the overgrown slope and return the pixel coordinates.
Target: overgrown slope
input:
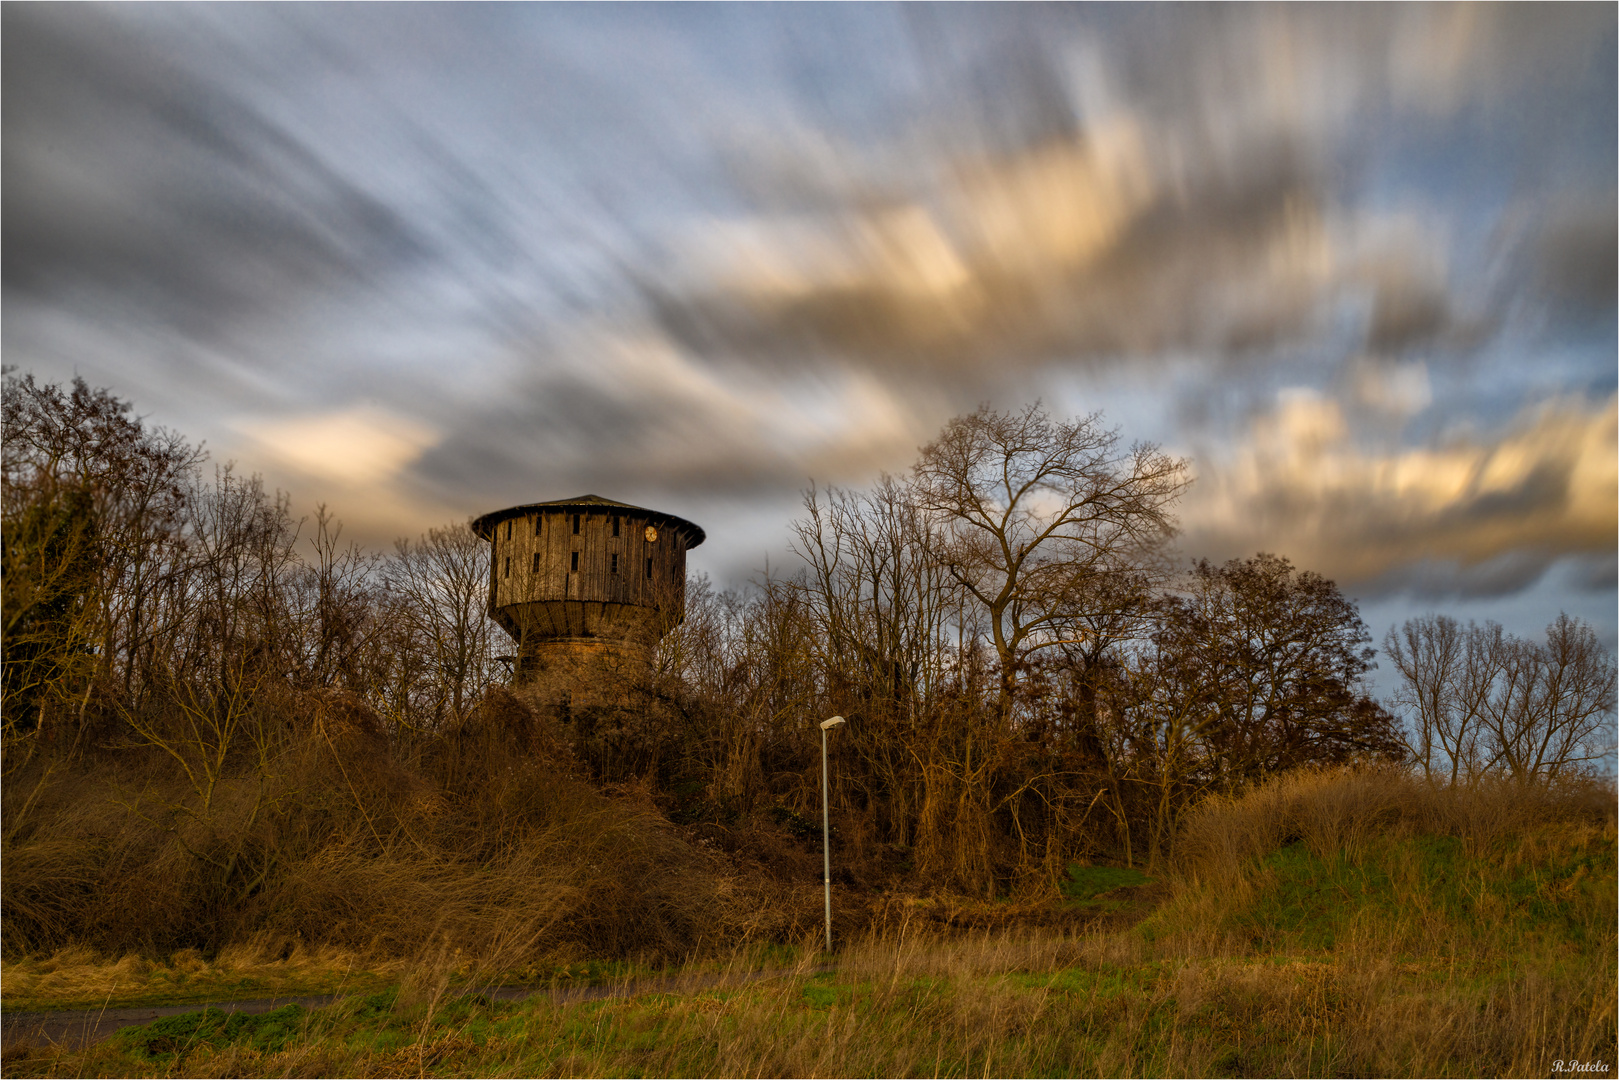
(1337, 923)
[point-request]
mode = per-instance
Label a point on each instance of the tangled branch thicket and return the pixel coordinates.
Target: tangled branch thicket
(220, 721)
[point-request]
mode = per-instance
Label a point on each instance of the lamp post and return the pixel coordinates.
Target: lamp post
(826, 829)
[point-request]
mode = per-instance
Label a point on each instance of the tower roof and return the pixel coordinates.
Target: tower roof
(484, 525)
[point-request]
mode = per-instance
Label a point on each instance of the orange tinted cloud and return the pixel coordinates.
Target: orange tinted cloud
(1545, 488)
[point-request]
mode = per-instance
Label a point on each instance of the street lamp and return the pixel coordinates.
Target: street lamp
(826, 829)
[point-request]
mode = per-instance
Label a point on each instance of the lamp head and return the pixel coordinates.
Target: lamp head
(827, 725)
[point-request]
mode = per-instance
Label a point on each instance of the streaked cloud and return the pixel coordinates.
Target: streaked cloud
(423, 260)
(638, 413)
(1399, 390)
(1191, 196)
(1471, 513)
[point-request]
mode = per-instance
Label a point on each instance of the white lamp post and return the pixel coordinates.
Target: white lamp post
(826, 829)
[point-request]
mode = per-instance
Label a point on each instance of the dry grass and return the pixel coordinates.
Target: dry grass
(1330, 924)
(1052, 1005)
(1340, 811)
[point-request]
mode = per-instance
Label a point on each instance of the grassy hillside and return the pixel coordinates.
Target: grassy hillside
(1326, 924)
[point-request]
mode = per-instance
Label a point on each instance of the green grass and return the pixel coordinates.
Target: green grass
(164, 1041)
(1084, 883)
(997, 1007)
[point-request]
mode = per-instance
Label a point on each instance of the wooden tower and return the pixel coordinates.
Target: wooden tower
(583, 581)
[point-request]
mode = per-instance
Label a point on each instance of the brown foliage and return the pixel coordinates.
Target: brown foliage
(1273, 659)
(483, 840)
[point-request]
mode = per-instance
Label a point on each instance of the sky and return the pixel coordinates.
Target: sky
(418, 262)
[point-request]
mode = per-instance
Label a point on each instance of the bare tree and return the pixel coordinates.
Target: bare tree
(1573, 728)
(1039, 517)
(1159, 750)
(1439, 664)
(229, 613)
(882, 609)
(334, 604)
(1480, 701)
(881, 602)
(1547, 711)
(439, 588)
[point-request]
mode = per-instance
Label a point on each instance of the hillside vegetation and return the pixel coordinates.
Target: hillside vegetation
(484, 844)
(1341, 923)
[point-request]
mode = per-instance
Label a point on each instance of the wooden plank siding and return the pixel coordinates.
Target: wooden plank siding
(550, 535)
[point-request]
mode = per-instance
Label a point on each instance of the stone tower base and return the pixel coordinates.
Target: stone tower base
(576, 673)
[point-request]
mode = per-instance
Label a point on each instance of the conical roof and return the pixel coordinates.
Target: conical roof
(484, 526)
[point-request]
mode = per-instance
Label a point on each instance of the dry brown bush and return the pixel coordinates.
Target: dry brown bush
(481, 845)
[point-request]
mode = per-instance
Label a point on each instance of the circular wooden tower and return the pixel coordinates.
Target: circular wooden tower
(579, 581)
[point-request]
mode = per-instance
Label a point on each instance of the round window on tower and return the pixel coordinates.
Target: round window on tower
(651, 534)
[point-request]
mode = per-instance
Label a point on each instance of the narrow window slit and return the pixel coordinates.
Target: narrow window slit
(575, 566)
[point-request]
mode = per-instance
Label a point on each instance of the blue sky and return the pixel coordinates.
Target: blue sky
(424, 261)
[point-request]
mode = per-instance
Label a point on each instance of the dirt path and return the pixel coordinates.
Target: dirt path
(79, 1028)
